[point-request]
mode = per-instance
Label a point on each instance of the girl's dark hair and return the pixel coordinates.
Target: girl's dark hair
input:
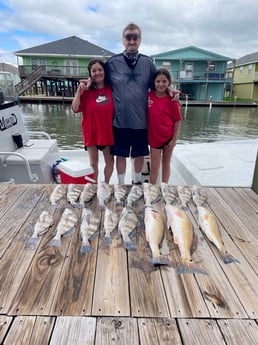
(102, 63)
(165, 72)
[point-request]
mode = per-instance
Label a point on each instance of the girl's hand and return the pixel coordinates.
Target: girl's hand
(85, 84)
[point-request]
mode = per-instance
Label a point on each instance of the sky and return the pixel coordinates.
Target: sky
(226, 27)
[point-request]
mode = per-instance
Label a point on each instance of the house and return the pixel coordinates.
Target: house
(245, 80)
(57, 66)
(199, 74)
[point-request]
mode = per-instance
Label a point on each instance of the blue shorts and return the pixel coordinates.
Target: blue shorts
(130, 142)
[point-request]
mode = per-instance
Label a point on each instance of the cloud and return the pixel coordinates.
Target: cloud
(225, 27)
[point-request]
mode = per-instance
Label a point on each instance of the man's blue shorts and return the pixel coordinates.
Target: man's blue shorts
(130, 142)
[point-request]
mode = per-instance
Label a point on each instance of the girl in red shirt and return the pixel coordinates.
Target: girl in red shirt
(163, 125)
(94, 99)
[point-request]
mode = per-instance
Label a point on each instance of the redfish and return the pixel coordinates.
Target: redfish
(154, 230)
(209, 225)
(182, 230)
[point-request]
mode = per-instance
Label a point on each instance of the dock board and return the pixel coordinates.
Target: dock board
(57, 295)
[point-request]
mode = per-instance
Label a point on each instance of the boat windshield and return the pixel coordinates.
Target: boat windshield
(7, 90)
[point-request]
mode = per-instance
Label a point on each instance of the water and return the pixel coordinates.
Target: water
(199, 124)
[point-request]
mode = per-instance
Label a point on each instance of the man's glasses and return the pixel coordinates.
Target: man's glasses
(130, 37)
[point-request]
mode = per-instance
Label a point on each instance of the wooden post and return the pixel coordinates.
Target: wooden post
(255, 177)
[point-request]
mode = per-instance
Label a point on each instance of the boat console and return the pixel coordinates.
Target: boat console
(25, 157)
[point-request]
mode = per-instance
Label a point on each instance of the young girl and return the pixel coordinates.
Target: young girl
(163, 125)
(94, 99)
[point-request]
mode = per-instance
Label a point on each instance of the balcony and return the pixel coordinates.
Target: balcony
(54, 72)
(201, 76)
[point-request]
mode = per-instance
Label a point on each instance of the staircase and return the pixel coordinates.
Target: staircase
(28, 82)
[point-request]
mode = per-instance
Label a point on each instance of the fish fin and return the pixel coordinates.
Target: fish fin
(130, 245)
(77, 205)
(107, 239)
(160, 261)
(69, 233)
(228, 259)
(32, 243)
(191, 268)
(55, 242)
(86, 248)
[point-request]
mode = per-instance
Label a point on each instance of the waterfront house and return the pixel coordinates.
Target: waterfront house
(245, 80)
(198, 73)
(54, 68)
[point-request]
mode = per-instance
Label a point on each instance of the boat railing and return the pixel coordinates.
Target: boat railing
(39, 134)
(33, 177)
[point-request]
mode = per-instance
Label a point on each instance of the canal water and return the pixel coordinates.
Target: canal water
(199, 124)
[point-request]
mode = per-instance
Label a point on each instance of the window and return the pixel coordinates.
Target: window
(166, 64)
(212, 66)
(250, 67)
(241, 69)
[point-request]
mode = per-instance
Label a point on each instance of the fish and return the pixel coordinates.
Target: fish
(183, 234)
(88, 193)
(154, 231)
(208, 224)
(185, 195)
(111, 220)
(170, 193)
(58, 193)
(127, 225)
(73, 193)
(120, 192)
(42, 225)
(104, 194)
(199, 196)
(135, 194)
(152, 194)
(65, 227)
(90, 222)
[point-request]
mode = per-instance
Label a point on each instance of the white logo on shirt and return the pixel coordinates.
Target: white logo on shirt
(101, 99)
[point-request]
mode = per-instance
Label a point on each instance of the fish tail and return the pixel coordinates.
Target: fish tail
(228, 259)
(160, 260)
(107, 239)
(55, 242)
(130, 245)
(190, 267)
(32, 243)
(86, 248)
(69, 233)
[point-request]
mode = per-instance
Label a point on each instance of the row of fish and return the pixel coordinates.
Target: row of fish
(154, 221)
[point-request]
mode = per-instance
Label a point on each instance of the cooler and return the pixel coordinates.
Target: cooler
(73, 171)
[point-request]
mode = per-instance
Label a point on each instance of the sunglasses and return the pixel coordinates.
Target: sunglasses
(130, 37)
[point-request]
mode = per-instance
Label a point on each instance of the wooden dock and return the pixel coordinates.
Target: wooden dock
(55, 296)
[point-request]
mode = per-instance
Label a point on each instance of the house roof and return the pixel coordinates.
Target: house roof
(250, 58)
(191, 53)
(6, 67)
(72, 46)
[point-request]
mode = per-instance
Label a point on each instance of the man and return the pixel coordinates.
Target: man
(131, 75)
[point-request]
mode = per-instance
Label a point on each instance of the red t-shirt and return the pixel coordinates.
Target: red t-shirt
(162, 114)
(97, 109)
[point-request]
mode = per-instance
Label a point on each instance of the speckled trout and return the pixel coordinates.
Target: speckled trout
(154, 230)
(182, 230)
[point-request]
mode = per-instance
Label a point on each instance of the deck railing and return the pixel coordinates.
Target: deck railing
(50, 71)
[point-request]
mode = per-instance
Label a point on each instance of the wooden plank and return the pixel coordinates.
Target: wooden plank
(11, 270)
(8, 196)
(36, 293)
(242, 209)
(74, 292)
(111, 291)
(42, 330)
(74, 331)
(13, 219)
(148, 296)
(21, 331)
(158, 331)
(250, 197)
(235, 226)
(183, 293)
(117, 331)
(216, 289)
(200, 331)
(5, 322)
(243, 277)
(237, 332)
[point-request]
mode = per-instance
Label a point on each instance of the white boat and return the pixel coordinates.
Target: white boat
(209, 164)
